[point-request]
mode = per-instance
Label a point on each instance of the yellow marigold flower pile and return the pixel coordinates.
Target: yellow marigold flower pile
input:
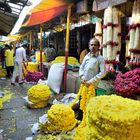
(37, 56)
(60, 59)
(86, 92)
(39, 95)
(112, 118)
(31, 66)
(1, 103)
(60, 118)
(2, 72)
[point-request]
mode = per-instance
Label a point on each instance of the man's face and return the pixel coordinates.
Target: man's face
(93, 46)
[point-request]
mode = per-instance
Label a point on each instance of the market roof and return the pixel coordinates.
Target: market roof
(9, 14)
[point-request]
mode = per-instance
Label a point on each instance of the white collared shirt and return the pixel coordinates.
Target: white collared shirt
(20, 55)
(92, 68)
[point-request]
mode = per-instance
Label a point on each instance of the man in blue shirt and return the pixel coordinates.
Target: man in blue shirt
(92, 68)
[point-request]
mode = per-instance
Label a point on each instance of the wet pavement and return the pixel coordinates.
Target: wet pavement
(16, 119)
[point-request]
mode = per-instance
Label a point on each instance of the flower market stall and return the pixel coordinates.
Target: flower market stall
(107, 117)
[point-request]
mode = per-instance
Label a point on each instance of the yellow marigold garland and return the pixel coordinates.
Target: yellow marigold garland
(39, 95)
(86, 92)
(60, 118)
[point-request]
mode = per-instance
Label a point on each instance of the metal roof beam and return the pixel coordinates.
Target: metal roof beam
(9, 14)
(5, 22)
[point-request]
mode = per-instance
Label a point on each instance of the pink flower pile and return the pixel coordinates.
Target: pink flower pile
(128, 83)
(34, 76)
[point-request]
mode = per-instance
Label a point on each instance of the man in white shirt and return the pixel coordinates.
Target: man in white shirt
(92, 68)
(20, 56)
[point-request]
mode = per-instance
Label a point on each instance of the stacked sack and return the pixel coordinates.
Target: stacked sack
(39, 95)
(60, 118)
(112, 118)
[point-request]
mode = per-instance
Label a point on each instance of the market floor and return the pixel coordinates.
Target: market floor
(16, 119)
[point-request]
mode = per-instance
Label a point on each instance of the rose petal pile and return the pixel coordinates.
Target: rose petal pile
(60, 118)
(39, 95)
(128, 83)
(60, 59)
(34, 76)
(112, 118)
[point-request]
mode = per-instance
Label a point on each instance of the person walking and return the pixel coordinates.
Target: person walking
(3, 57)
(92, 68)
(20, 57)
(9, 60)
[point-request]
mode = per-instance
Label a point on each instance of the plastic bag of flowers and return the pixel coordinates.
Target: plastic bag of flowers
(60, 118)
(112, 118)
(39, 96)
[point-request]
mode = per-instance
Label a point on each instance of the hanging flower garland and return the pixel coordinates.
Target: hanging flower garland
(86, 92)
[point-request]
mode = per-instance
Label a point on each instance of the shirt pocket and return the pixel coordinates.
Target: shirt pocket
(93, 65)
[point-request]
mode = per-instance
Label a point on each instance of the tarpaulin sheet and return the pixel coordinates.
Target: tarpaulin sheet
(45, 11)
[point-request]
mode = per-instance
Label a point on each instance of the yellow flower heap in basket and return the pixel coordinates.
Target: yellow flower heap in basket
(60, 59)
(2, 72)
(112, 118)
(31, 66)
(60, 118)
(37, 55)
(39, 95)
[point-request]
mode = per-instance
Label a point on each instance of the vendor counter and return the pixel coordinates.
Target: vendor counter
(73, 82)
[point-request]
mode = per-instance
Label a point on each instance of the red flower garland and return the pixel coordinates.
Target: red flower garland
(111, 62)
(135, 51)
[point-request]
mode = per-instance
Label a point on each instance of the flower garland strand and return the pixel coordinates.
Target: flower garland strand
(86, 92)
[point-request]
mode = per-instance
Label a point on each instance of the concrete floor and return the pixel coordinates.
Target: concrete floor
(16, 119)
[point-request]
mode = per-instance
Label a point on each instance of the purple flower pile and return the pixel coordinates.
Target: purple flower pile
(128, 83)
(34, 76)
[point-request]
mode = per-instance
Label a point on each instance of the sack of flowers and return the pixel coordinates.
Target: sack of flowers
(60, 118)
(128, 83)
(38, 96)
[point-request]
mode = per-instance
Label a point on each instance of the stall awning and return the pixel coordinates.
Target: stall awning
(45, 11)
